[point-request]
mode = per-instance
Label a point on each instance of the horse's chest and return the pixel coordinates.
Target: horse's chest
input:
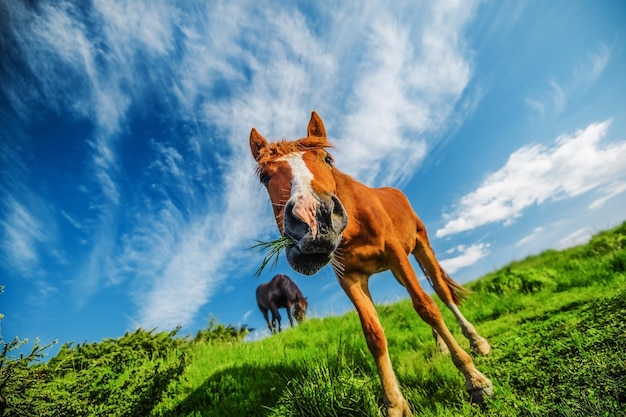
(367, 260)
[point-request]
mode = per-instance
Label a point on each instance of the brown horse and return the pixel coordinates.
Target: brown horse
(330, 217)
(281, 292)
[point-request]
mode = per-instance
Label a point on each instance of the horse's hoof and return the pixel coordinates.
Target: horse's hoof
(478, 395)
(400, 411)
(443, 349)
(481, 346)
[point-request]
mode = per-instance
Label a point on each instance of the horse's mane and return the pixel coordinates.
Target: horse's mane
(275, 150)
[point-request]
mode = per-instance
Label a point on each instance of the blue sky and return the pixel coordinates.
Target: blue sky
(127, 191)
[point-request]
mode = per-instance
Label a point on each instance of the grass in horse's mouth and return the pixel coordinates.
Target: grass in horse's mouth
(273, 247)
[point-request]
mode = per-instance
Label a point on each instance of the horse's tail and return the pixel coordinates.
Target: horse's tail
(457, 291)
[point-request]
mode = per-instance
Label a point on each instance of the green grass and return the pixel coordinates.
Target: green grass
(556, 323)
(559, 356)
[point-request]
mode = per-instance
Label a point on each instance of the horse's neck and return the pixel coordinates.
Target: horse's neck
(357, 199)
(347, 187)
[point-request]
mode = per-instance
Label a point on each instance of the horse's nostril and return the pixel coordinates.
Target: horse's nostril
(339, 218)
(293, 226)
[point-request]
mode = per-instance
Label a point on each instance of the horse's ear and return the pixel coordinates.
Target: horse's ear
(316, 126)
(257, 143)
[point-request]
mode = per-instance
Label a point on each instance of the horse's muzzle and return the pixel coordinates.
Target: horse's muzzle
(310, 253)
(299, 315)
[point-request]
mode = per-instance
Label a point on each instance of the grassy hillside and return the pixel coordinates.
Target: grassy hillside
(556, 323)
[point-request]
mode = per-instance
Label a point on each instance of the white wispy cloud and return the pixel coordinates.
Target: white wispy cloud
(22, 233)
(187, 278)
(179, 254)
(412, 79)
(181, 263)
(550, 101)
(590, 69)
(467, 256)
(29, 236)
(246, 315)
(94, 74)
(535, 174)
(611, 190)
(139, 27)
(553, 100)
(537, 231)
(577, 237)
(27, 223)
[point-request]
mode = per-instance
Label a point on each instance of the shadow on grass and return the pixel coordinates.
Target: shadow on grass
(238, 391)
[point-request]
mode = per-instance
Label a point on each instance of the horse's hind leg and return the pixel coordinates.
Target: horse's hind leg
(476, 383)
(437, 276)
(270, 325)
(477, 342)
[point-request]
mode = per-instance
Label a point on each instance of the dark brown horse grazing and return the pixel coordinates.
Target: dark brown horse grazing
(331, 217)
(281, 292)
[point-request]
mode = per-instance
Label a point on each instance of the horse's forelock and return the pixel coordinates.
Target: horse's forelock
(275, 150)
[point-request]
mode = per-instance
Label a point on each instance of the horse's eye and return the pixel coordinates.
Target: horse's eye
(329, 160)
(264, 178)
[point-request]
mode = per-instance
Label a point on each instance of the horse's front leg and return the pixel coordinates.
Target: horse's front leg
(289, 315)
(355, 286)
(275, 316)
(441, 345)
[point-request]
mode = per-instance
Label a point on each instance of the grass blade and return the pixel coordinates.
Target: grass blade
(273, 248)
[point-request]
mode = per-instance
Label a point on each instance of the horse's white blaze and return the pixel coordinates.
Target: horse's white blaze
(305, 203)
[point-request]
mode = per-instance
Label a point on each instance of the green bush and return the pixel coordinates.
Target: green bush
(116, 377)
(526, 281)
(618, 262)
(20, 384)
(221, 333)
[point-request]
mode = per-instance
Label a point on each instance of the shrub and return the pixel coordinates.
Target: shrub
(527, 281)
(116, 377)
(618, 262)
(221, 333)
(19, 383)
